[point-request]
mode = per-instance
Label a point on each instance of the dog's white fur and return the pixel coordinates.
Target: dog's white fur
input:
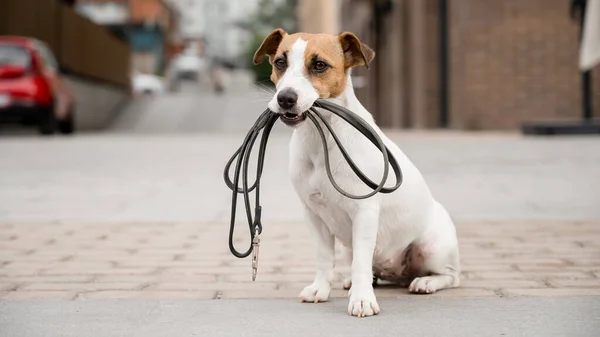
(376, 231)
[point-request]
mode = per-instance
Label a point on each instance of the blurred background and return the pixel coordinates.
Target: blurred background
(118, 72)
(156, 95)
(465, 65)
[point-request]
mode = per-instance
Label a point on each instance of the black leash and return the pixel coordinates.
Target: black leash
(265, 123)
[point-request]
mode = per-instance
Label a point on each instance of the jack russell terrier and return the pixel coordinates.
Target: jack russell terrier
(405, 237)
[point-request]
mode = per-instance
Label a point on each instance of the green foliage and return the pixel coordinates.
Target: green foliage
(271, 14)
(275, 14)
(262, 71)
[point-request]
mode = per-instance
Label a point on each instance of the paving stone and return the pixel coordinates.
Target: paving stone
(550, 292)
(576, 283)
(148, 295)
(103, 271)
(256, 294)
(94, 286)
(495, 284)
(214, 286)
(8, 286)
(48, 279)
(38, 295)
(524, 271)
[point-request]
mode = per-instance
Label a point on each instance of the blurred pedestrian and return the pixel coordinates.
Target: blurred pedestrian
(217, 75)
(215, 68)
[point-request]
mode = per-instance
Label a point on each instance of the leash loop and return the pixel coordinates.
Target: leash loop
(264, 124)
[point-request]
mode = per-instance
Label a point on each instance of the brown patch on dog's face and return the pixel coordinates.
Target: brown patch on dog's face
(326, 60)
(325, 65)
(281, 59)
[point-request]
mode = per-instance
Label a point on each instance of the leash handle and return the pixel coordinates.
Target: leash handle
(364, 128)
(241, 157)
(265, 124)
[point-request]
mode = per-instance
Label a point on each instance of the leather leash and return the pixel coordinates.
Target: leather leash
(265, 123)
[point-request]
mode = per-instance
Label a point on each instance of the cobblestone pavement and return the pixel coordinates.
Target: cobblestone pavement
(83, 261)
(145, 216)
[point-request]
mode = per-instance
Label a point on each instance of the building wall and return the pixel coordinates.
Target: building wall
(357, 17)
(149, 27)
(510, 61)
(318, 16)
(513, 61)
(403, 76)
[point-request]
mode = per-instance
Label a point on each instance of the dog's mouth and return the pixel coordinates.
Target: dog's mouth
(292, 119)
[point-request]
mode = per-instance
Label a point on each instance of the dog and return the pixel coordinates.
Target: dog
(405, 237)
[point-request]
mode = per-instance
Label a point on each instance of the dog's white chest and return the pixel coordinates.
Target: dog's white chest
(308, 173)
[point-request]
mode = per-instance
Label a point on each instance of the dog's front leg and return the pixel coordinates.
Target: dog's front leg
(364, 237)
(319, 290)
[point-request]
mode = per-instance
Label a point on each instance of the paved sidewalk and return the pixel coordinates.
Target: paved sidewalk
(118, 216)
(78, 261)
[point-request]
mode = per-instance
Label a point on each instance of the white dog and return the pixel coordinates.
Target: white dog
(405, 237)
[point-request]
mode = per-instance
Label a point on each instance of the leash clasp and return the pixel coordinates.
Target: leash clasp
(255, 248)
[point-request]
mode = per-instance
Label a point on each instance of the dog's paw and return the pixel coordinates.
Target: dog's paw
(347, 283)
(363, 302)
(317, 292)
(422, 285)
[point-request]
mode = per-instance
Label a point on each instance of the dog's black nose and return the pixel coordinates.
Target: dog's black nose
(287, 98)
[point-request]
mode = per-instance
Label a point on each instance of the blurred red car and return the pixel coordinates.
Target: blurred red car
(31, 88)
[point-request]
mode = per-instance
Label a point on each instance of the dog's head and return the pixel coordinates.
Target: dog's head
(309, 66)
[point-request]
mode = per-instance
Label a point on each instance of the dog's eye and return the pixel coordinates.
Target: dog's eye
(320, 66)
(280, 63)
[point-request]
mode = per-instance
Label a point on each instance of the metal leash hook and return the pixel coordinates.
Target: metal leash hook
(256, 240)
(255, 248)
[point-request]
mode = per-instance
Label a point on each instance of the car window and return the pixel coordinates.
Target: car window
(14, 55)
(46, 55)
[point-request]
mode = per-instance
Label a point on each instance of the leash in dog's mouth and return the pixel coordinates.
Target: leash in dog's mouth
(265, 123)
(291, 119)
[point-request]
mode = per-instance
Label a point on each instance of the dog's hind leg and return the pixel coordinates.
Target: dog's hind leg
(438, 250)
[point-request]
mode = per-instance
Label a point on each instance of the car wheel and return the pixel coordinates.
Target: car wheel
(47, 124)
(67, 126)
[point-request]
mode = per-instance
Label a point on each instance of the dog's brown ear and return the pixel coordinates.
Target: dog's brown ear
(269, 45)
(356, 53)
